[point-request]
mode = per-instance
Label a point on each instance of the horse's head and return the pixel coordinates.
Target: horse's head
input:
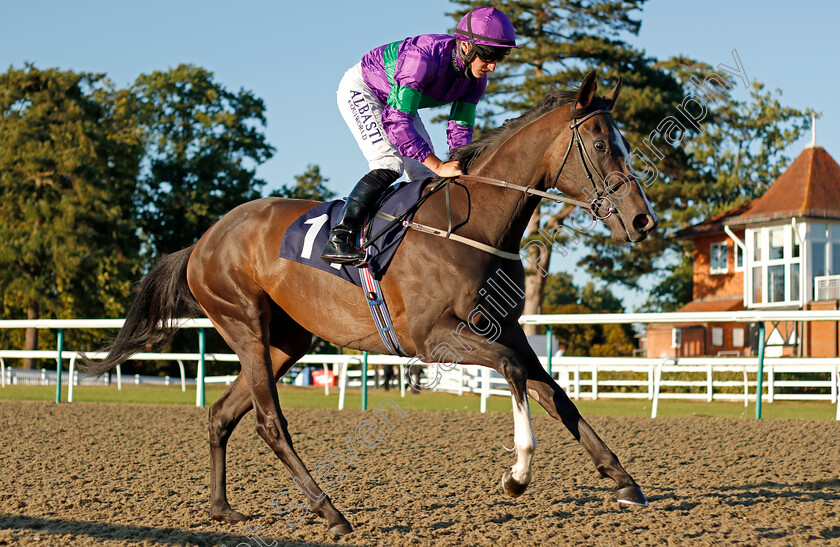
(593, 166)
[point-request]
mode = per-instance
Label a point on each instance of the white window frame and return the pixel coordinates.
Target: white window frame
(765, 263)
(719, 269)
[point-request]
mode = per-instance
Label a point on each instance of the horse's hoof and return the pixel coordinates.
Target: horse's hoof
(511, 487)
(631, 495)
(340, 529)
(227, 515)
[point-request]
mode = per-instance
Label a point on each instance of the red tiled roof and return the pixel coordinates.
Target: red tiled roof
(712, 225)
(810, 187)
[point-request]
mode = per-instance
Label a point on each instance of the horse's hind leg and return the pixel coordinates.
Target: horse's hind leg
(246, 324)
(224, 416)
(226, 413)
(543, 389)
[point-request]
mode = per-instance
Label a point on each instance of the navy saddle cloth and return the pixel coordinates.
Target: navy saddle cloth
(307, 235)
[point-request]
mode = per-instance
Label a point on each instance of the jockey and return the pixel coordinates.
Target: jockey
(379, 98)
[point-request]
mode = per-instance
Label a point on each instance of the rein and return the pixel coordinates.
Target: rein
(592, 206)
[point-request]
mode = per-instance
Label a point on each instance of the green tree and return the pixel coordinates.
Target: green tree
(203, 144)
(308, 185)
(562, 296)
(69, 156)
(590, 340)
(600, 300)
(560, 290)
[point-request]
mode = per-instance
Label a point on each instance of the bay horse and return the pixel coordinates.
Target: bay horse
(267, 309)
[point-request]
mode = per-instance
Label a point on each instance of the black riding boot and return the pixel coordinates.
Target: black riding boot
(340, 247)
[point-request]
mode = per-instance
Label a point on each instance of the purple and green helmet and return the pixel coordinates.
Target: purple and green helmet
(488, 31)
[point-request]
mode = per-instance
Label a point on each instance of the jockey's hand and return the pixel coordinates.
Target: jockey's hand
(449, 169)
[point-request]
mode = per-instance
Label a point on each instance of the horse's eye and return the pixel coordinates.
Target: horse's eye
(600, 146)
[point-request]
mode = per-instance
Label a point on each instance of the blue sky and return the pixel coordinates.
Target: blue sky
(292, 55)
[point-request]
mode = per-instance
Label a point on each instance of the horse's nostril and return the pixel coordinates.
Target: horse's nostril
(644, 223)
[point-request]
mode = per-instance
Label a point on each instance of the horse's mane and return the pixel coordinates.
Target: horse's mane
(555, 99)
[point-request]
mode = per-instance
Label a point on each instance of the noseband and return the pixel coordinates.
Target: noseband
(592, 206)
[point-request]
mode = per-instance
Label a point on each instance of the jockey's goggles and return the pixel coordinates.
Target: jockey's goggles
(491, 54)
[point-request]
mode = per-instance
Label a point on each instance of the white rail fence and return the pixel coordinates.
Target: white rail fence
(709, 378)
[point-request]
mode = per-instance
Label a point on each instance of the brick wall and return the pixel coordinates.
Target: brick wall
(708, 285)
(822, 338)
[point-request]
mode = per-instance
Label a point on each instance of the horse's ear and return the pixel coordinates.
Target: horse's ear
(612, 96)
(587, 90)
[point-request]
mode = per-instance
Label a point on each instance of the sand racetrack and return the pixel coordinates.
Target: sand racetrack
(109, 474)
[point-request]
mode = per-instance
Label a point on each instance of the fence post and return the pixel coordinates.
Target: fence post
(485, 388)
(199, 379)
(710, 388)
(183, 376)
(837, 377)
(402, 379)
(72, 375)
(342, 390)
(759, 387)
(364, 380)
(657, 379)
(60, 344)
(548, 346)
(771, 384)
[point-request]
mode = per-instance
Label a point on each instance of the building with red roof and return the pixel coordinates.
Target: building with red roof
(778, 252)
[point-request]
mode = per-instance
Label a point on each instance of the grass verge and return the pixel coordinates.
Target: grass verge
(313, 397)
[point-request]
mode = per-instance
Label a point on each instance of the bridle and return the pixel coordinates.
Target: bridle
(594, 205)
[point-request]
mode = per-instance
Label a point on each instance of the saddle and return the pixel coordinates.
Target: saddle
(308, 234)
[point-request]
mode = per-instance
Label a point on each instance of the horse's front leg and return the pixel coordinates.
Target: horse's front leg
(452, 342)
(543, 389)
(516, 479)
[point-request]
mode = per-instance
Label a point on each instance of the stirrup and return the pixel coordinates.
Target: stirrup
(345, 259)
(340, 250)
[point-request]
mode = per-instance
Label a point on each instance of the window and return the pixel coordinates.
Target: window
(794, 281)
(818, 258)
(717, 336)
(738, 337)
(777, 244)
(739, 258)
(824, 250)
(719, 259)
(776, 283)
(835, 259)
(776, 268)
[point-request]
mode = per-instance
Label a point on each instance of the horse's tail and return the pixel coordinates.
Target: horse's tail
(164, 295)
